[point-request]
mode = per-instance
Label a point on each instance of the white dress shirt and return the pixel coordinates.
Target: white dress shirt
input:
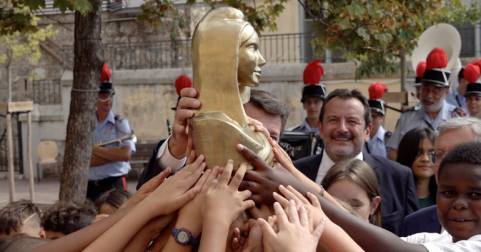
(327, 163)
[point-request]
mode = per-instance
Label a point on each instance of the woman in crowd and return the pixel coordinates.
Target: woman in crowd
(416, 151)
(355, 183)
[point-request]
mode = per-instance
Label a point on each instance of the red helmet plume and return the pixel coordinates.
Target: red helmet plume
(420, 69)
(437, 58)
(183, 81)
(313, 73)
(472, 72)
(106, 73)
(376, 91)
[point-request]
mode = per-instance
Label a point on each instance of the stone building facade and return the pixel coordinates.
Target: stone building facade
(145, 62)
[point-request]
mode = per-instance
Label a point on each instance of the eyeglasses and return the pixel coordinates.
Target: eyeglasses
(430, 153)
(439, 155)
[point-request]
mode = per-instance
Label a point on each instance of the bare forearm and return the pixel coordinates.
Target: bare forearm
(189, 223)
(336, 239)
(96, 161)
(152, 230)
(77, 241)
(113, 154)
(214, 238)
(117, 237)
(369, 237)
(140, 241)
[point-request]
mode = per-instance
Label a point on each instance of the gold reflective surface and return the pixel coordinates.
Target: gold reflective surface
(226, 64)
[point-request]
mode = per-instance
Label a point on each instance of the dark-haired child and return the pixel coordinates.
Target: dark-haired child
(21, 217)
(62, 219)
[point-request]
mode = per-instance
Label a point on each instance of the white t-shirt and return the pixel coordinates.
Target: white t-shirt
(444, 242)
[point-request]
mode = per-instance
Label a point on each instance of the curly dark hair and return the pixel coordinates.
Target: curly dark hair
(467, 153)
(14, 215)
(67, 218)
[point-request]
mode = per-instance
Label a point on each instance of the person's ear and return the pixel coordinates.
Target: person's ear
(367, 132)
(375, 202)
(319, 125)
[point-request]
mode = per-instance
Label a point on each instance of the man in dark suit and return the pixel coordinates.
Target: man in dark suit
(344, 127)
(452, 133)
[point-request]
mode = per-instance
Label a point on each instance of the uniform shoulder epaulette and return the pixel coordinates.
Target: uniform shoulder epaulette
(387, 134)
(118, 117)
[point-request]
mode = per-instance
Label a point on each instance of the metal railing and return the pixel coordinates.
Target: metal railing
(276, 49)
(46, 92)
(17, 144)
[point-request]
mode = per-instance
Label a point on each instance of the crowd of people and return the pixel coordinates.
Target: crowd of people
(363, 189)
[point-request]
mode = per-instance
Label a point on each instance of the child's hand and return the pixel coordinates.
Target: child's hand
(147, 189)
(222, 200)
(190, 215)
(176, 190)
(312, 205)
(294, 232)
(257, 126)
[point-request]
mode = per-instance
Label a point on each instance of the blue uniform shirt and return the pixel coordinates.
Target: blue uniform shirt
(454, 98)
(304, 127)
(376, 144)
(419, 119)
(110, 129)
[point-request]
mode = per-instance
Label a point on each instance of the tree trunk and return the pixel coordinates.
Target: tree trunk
(402, 63)
(88, 57)
(403, 73)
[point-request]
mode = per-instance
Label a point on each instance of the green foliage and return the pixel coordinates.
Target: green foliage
(15, 16)
(261, 15)
(375, 32)
(19, 45)
(19, 15)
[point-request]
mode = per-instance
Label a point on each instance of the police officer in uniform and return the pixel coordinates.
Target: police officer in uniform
(313, 95)
(473, 89)
(110, 162)
(376, 145)
(457, 93)
(432, 95)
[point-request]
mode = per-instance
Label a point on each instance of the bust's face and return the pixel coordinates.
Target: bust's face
(250, 58)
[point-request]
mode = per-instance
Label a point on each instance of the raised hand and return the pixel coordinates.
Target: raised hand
(264, 180)
(147, 188)
(222, 205)
(176, 190)
(186, 108)
(334, 237)
(294, 232)
(312, 205)
(257, 126)
(222, 199)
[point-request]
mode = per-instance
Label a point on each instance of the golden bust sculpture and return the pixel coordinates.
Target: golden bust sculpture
(226, 64)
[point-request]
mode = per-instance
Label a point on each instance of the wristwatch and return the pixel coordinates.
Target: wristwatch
(184, 237)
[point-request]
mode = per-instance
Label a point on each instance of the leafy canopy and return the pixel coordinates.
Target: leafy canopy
(376, 33)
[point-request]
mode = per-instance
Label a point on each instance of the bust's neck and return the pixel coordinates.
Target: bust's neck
(245, 94)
